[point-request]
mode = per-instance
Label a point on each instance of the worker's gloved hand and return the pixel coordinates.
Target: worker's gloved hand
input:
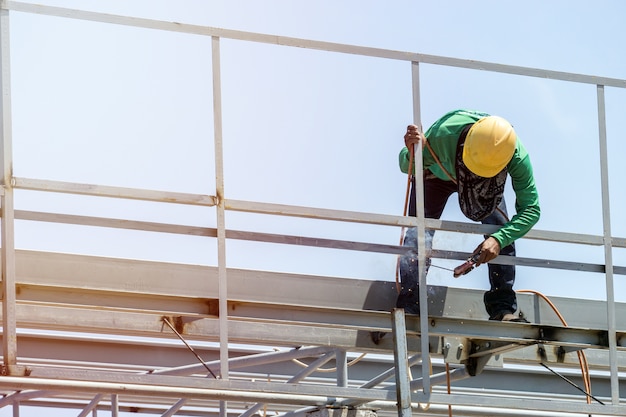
(413, 136)
(487, 251)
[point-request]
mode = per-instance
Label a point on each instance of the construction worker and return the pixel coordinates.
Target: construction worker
(472, 153)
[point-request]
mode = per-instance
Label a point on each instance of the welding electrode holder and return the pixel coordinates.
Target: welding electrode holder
(466, 266)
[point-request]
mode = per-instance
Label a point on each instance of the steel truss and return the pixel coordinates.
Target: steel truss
(126, 335)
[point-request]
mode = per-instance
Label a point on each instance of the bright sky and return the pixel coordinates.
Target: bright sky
(120, 106)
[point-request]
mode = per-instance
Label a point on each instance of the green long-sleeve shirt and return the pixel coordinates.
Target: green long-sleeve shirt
(443, 137)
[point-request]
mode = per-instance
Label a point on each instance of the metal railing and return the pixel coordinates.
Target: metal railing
(223, 204)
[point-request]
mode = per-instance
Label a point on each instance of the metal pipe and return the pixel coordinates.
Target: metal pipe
(377, 380)
(421, 234)
(114, 192)
(310, 44)
(490, 403)
(296, 378)
(220, 213)
(469, 411)
(24, 383)
(115, 405)
(389, 373)
(174, 409)
(91, 406)
(608, 251)
(249, 360)
(18, 397)
(401, 363)
(342, 367)
(441, 378)
(7, 240)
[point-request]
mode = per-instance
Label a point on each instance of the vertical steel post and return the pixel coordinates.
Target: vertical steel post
(9, 320)
(608, 246)
(341, 359)
(401, 362)
(421, 237)
(221, 221)
(115, 405)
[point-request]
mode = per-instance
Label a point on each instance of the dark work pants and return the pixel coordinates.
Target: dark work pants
(499, 300)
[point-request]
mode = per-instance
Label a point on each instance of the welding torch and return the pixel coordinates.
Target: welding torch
(466, 266)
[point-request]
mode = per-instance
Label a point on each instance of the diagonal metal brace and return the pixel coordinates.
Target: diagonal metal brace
(481, 351)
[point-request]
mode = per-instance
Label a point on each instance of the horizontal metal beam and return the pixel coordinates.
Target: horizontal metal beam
(116, 192)
(261, 208)
(276, 333)
(326, 243)
(288, 393)
(92, 348)
(52, 277)
(170, 357)
(491, 378)
(333, 312)
(521, 333)
(223, 391)
(407, 221)
(150, 324)
(489, 402)
(312, 44)
(280, 388)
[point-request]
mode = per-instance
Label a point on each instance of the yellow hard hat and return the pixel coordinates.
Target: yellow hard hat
(489, 146)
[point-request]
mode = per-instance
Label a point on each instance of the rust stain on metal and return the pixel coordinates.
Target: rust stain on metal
(213, 307)
(179, 325)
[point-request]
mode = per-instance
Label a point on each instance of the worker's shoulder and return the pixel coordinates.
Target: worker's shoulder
(454, 121)
(460, 116)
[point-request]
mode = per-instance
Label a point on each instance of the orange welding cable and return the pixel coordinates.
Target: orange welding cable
(582, 358)
(408, 182)
(448, 384)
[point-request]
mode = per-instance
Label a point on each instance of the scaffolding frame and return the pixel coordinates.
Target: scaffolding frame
(213, 319)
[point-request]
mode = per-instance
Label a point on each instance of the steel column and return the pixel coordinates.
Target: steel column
(9, 339)
(608, 251)
(401, 362)
(221, 221)
(421, 232)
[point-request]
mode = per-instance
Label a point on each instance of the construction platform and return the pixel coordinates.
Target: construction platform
(91, 325)
(90, 333)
